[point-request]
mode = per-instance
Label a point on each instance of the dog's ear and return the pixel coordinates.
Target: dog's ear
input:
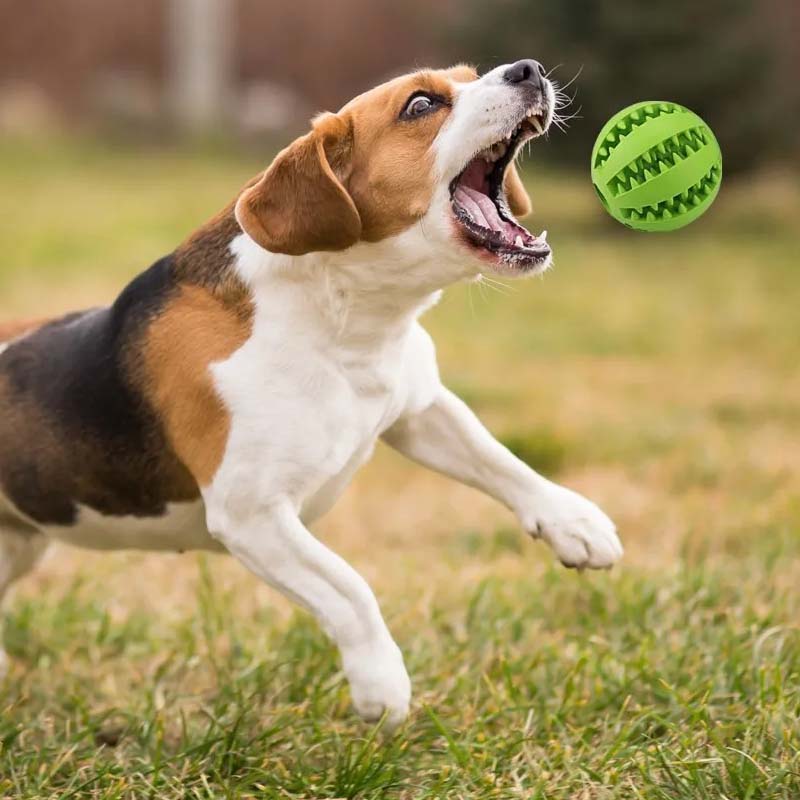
(300, 205)
(518, 199)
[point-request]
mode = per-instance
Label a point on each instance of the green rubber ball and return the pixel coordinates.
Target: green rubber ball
(656, 166)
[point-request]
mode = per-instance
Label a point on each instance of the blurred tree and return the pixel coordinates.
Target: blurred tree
(200, 62)
(717, 57)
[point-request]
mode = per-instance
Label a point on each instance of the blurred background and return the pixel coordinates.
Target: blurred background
(655, 373)
(254, 67)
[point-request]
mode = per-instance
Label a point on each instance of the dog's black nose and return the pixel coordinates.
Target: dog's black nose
(525, 71)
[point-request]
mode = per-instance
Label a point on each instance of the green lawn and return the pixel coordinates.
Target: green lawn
(657, 374)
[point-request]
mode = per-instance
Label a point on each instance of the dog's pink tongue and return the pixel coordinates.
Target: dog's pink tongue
(480, 207)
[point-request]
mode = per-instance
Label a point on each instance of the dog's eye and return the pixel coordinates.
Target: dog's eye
(418, 105)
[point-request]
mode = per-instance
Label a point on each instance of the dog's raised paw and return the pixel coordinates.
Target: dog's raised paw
(579, 532)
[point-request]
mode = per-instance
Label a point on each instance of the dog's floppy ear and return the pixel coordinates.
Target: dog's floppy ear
(518, 200)
(299, 205)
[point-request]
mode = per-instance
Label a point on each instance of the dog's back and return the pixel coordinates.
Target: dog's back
(75, 430)
(12, 329)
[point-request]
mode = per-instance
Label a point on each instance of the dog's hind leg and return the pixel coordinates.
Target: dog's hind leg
(20, 550)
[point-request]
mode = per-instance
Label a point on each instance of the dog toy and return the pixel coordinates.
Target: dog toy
(656, 166)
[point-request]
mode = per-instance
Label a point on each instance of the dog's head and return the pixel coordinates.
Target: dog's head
(425, 162)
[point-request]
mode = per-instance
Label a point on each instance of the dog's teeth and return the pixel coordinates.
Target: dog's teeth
(518, 241)
(537, 125)
(543, 236)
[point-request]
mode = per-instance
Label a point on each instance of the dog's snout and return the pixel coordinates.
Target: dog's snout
(526, 71)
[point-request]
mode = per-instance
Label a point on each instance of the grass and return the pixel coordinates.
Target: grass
(656, 374)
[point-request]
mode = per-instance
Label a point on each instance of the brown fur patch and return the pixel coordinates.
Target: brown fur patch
(194, 330)
(300, 205)
(112, 408)
(391, 166)
(518, 199)
(361, 174)
(13, 329)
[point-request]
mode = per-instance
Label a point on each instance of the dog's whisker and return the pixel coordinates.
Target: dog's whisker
(575, 115)
(496, 286)
(498, 289)
(563, 122)
(572, 80)
(424, 232)
(471, 301)
(551, 71)
(562, 103)
(495, 281)
(482, 290)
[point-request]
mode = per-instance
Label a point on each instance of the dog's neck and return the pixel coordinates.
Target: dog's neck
(364, 298)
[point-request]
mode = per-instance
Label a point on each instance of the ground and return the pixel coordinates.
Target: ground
(656, 374)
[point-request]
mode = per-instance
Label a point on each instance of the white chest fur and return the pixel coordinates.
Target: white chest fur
(305, 414)
(318, 381)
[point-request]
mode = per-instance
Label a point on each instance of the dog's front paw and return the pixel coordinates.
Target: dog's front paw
(579, 532)
(379, 683)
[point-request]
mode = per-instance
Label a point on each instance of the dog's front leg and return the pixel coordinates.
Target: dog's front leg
(447, 437)
(274, 544)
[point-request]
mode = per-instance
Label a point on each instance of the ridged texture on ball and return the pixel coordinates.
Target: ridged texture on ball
(656, 166)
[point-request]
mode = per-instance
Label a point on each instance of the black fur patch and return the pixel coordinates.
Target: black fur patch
(74, 424)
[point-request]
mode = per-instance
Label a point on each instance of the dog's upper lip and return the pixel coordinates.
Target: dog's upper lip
(531, 124)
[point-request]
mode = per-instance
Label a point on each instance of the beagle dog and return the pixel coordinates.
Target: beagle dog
(227, 396)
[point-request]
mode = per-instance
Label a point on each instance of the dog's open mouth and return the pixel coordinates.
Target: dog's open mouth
(481, 209)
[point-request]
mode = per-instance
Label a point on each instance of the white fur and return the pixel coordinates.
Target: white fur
(181, 527)
(485, 111)
(337, 359)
